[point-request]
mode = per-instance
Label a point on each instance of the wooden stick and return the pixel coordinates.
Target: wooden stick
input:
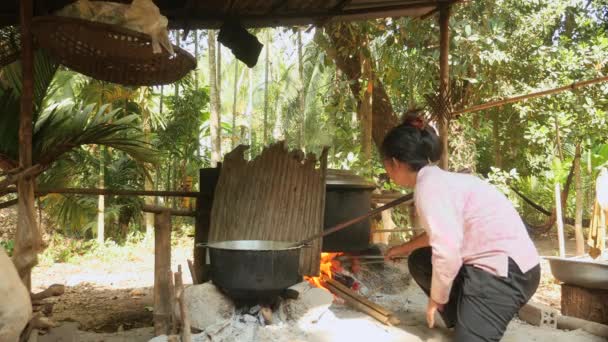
(492, 104)
(358, 297)
(349, 223)
(384, 319)
(183, 310)
(192, 272)
(52, 291)
(94, 191)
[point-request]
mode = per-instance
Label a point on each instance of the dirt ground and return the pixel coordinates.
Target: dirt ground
(116, 296)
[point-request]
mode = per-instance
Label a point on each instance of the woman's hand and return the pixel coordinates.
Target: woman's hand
(397, 251)
(431, 308)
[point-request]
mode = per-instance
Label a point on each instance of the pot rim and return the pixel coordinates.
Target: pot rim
(251, 245)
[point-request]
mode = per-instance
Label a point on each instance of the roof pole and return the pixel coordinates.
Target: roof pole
(444, 80)
(27, 239)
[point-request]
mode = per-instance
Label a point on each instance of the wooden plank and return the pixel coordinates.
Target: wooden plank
(588, 304)
(207, 182)
(162, 273)
(279, 195)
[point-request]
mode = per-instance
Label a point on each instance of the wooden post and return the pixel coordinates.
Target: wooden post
(560, 221)
(444, 79)
(27, 239)
(588, 304)
(207, 182)
(162, 273)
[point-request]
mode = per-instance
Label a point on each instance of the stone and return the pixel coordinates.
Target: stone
(311, 305)
(207, 305)
(15, 306)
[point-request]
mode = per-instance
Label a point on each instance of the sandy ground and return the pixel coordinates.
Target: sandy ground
(112, 302)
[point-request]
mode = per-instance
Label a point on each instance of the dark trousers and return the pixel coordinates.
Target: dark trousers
(481, 305)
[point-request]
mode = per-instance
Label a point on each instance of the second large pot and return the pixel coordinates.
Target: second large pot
(347, 196)
(254, 269)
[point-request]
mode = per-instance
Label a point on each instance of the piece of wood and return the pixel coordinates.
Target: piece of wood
(349, 223)
(105, 192)
(52, 291)
(162, 274)
(348, 297)
(358, 297)
(208, 179)
(183, 309)
(573, 323)
(588, 304)
(278, 196)
(539, 315)
(519, 98)
(192, 272)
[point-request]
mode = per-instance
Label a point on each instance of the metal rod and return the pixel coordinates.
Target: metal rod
(338, 227)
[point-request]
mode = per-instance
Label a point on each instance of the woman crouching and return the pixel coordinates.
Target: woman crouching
(475, 260)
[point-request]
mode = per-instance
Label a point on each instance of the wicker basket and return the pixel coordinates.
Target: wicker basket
(10, 45)
(109, 52)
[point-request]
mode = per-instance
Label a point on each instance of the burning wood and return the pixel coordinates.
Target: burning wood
(361, 303)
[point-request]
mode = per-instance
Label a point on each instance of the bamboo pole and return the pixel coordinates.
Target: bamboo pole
(518, 98)
(27, 238)
(110, 192)
(560, 221)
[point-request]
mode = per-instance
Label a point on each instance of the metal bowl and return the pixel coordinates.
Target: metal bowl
(580, 271)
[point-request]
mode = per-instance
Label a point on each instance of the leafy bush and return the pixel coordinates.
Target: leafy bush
(8, 245)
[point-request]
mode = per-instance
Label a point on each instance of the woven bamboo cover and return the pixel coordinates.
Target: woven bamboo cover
(277, 196)
(109, 52)
(10, 45)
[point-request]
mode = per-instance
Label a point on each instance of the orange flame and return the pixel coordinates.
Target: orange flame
(328, 267)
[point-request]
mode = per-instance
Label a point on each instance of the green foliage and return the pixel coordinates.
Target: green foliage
(8, 246)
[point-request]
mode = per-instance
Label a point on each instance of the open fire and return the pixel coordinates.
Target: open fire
(329, 266)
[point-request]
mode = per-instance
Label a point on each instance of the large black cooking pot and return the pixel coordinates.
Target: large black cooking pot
(246, 269)
(347, 196)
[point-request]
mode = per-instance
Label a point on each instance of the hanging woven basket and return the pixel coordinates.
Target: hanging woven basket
(109, 52)
(10, 45)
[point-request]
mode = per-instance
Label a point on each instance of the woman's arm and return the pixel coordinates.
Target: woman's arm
(419, 241)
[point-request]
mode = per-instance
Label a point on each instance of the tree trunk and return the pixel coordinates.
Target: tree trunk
(266, 71)
(101, 199)
(346, 55)
(366, 112)
(496, 138)
(148, 183)
(444, 80)
(578, 185)
(558, 141)
(27, 238)
(161, 100)
(215, 109)
(196, 59)
(178, 45)
(302, 99)
(234, 98)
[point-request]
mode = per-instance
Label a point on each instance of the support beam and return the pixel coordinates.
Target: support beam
(27, 238)
(207, 183)
(162, 273)
(444, 79)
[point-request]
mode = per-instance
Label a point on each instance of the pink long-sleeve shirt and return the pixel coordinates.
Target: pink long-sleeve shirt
(469, 221)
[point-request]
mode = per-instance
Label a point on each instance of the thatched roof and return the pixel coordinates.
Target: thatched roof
(190, 14)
